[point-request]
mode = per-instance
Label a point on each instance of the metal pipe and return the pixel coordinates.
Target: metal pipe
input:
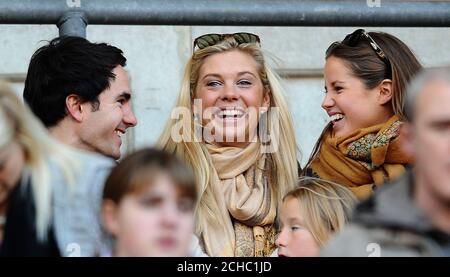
(233, 12)
(72, 23)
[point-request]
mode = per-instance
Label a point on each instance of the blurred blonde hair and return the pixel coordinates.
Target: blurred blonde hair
(283, 161)
(17, 123)
(325, 207)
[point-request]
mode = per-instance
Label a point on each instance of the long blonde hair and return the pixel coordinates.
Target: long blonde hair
(17, 123)
(283, 161)
(325, 207)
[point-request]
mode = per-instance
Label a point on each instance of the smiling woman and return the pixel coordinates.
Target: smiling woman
(232, 95)
(365, 82)
(231, 91)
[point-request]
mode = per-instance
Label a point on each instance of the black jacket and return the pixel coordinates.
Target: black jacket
(20, 237)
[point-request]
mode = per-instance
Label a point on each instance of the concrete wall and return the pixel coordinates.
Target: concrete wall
(157, 54)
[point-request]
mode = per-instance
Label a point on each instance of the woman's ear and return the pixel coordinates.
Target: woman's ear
(109, 216)
(385, 92)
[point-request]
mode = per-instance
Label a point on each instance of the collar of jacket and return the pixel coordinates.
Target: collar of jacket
(393, 206)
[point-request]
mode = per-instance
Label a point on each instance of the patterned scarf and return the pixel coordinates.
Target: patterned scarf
(363, 160)
(241, 187)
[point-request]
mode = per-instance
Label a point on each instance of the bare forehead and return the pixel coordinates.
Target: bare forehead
(235, 60)
(434, 98)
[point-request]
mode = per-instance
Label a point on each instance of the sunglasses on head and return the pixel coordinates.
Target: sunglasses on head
(212, 39)
(353, 39)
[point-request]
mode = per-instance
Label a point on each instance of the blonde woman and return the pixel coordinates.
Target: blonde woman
(310, 215)
(238, 138)
(50, 209)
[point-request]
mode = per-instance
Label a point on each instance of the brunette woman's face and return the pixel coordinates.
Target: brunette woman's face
(350, 105)
(232, 96)
(12, 162)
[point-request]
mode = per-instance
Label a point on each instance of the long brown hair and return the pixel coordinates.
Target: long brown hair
(367, 66)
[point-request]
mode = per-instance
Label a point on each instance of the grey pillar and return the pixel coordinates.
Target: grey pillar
(72, 23)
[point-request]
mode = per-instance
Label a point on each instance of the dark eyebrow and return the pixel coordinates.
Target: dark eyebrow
(336, 82)
(125, 95)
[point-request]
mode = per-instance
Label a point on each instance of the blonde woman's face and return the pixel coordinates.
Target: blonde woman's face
(348, 103)
(294, 240)
(232, 97)
(12, 162)
(155, 222)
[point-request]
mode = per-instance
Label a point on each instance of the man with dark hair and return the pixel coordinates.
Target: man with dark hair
(81, 92)
(410, 217)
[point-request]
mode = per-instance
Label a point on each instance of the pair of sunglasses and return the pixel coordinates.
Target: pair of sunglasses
(353, 39)
(212, 39)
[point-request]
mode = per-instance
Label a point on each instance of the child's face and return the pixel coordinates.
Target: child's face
(348, 102)
(157, 221)
(294, 240)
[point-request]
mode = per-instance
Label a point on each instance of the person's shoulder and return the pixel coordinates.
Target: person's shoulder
(90, 159)
(359, 240)
(352, 241)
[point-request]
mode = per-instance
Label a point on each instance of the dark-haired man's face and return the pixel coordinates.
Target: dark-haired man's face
(102, 130)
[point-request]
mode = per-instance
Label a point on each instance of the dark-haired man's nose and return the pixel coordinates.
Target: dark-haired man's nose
(129, 118)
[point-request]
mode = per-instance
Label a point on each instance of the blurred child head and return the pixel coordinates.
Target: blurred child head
(310, 214)
(148, 205)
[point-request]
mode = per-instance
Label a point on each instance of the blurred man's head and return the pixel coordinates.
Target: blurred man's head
(82, 89)
(428, 134)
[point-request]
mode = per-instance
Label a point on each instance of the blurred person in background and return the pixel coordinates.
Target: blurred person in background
(49, 193)
(148, 206)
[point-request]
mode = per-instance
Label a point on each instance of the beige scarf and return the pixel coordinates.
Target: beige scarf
(241, 186)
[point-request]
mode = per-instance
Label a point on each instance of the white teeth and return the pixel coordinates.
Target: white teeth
(230, 113)
(336, 117)
(119, 133)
